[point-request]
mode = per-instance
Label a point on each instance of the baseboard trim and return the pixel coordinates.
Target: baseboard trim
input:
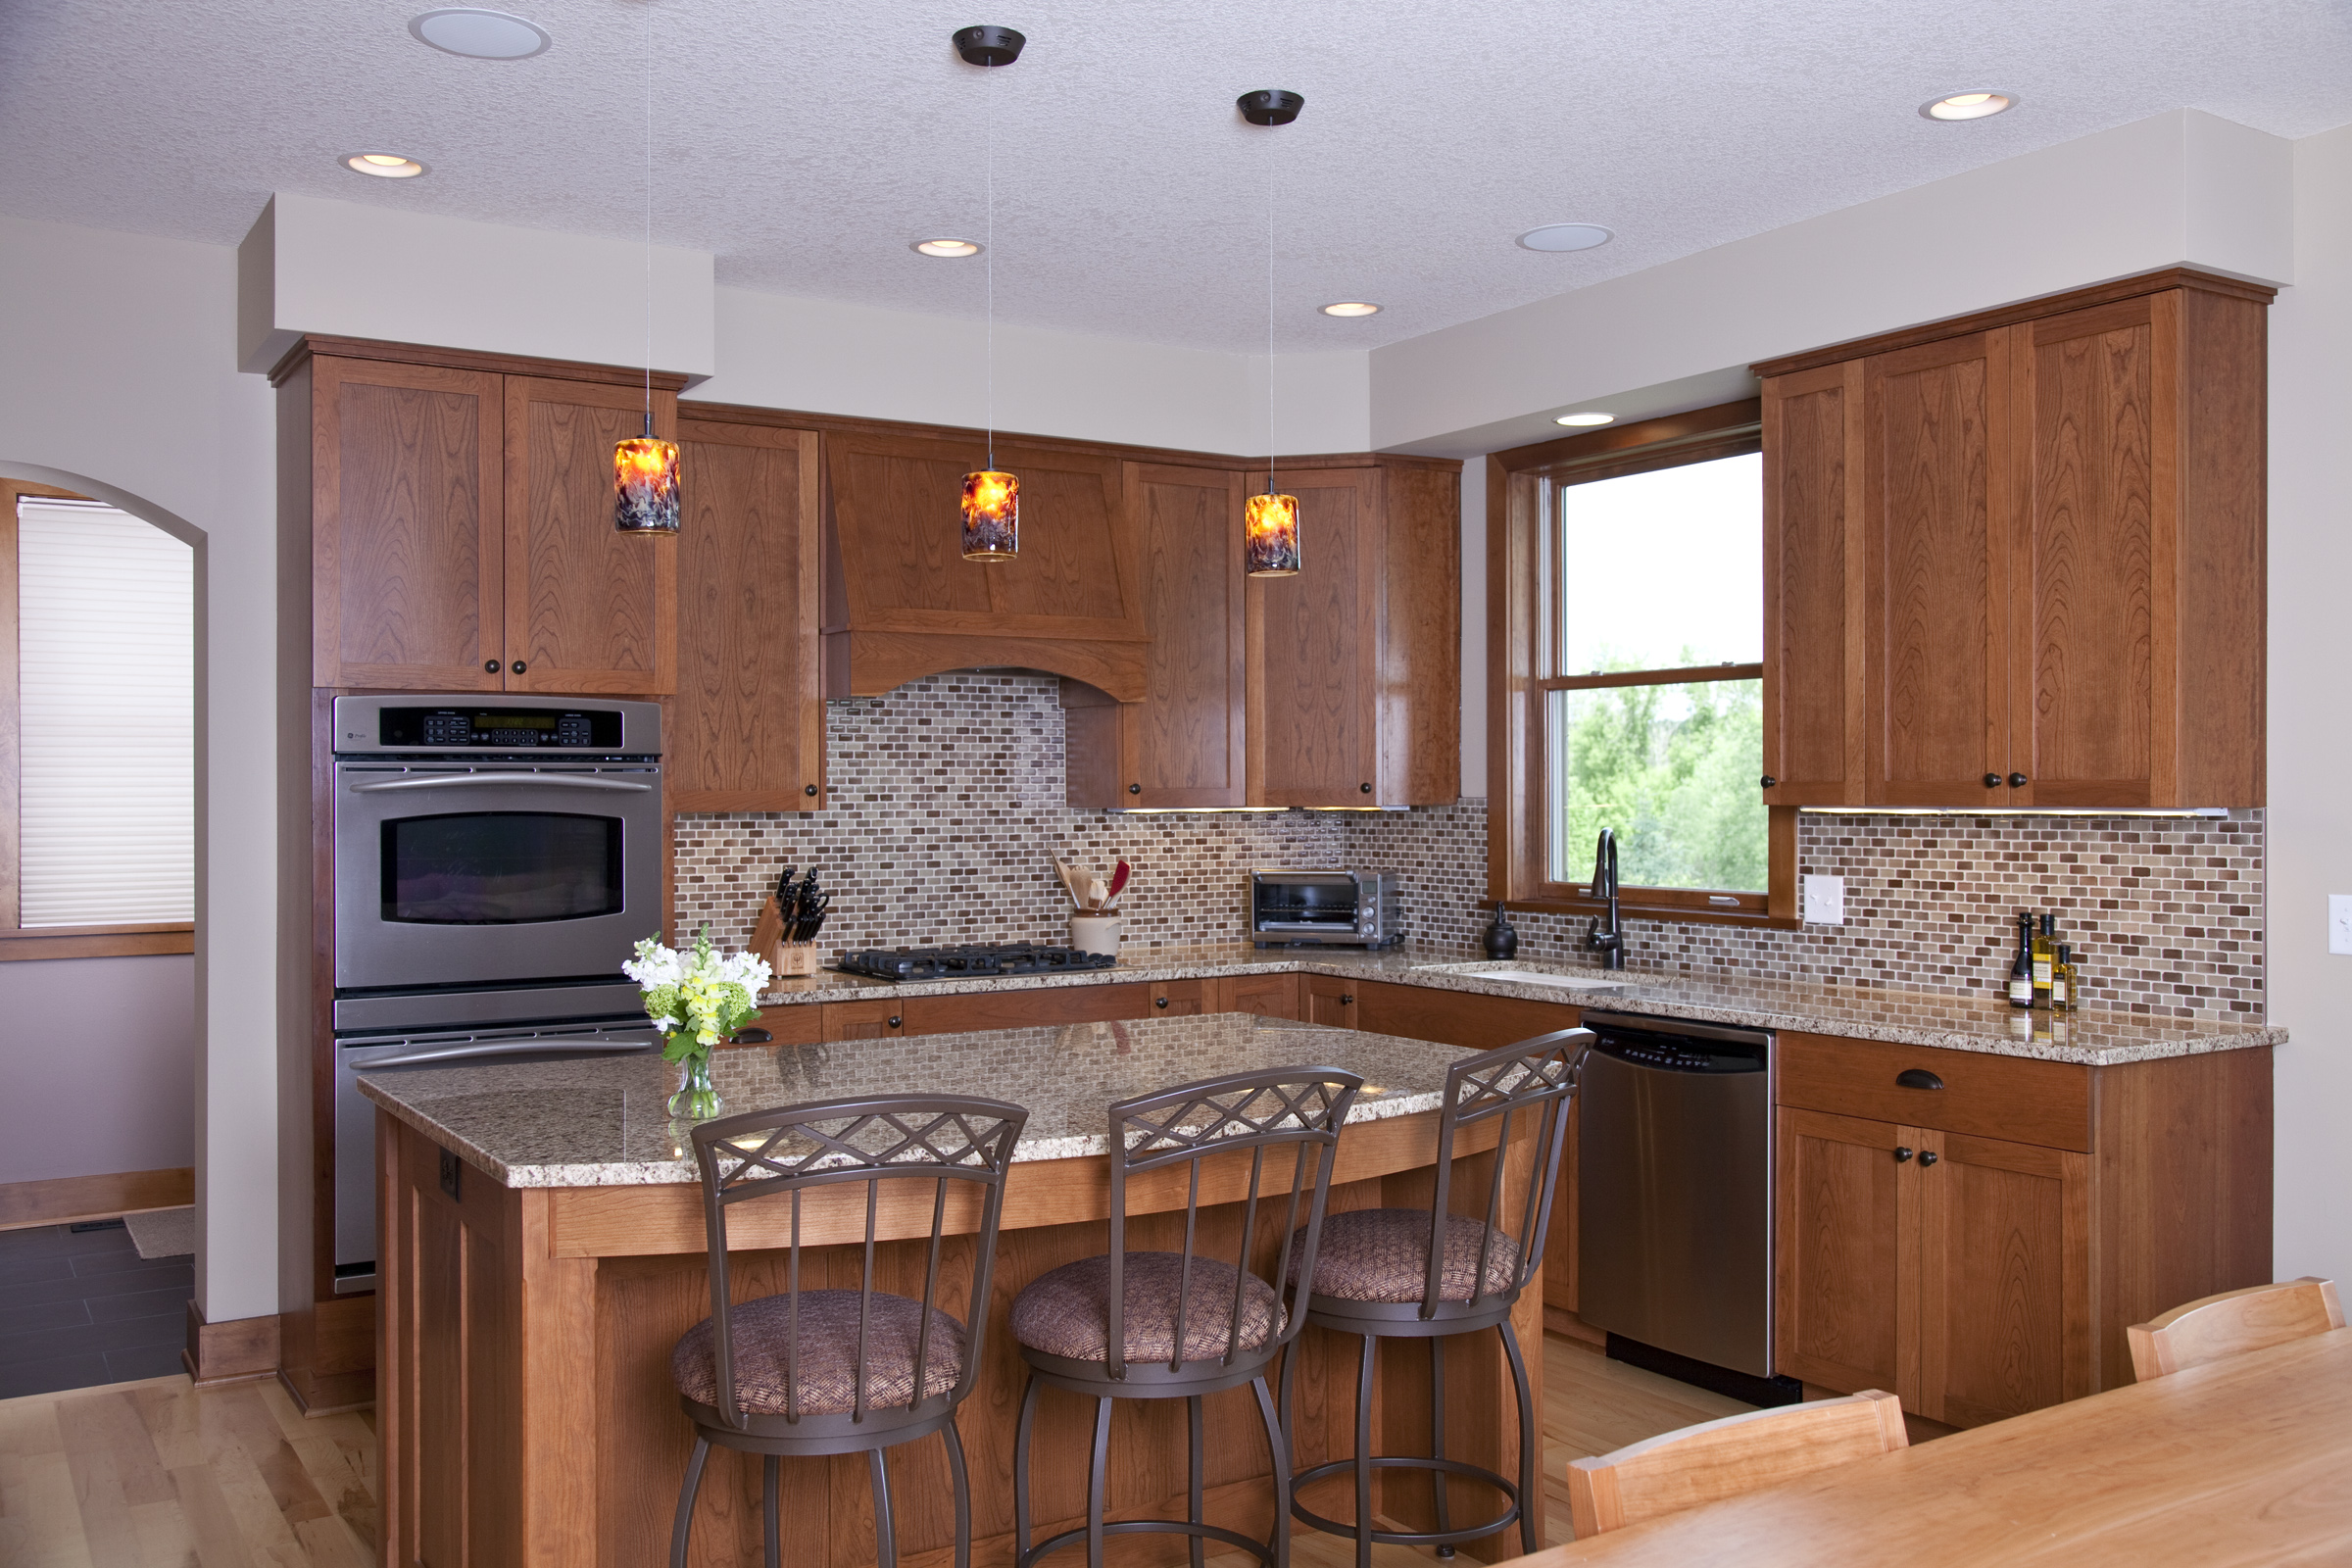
(67, 1200)
(243, 1350)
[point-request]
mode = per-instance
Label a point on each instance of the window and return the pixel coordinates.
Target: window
(97, 730)
(1629, 680)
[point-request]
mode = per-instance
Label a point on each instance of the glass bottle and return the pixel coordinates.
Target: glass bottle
(2021, 971)
(2062, 996)
(2045, 953)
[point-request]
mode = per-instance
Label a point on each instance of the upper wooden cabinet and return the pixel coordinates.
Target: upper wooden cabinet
(903, 602)
(746, 730)
(1183, 743)
(1354, 663)
(2018, 561)
(457, 519)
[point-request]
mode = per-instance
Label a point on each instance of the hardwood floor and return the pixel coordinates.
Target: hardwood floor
(160, 1474)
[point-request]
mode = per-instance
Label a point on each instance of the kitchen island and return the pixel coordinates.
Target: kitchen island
(543, 1251)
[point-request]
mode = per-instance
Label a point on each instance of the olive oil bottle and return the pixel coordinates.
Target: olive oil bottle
(2045, 956)
(2065, 994)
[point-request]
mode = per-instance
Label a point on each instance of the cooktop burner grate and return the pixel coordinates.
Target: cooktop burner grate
(985, 960)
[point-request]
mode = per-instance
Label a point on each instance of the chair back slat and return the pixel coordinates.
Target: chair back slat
(1535, 1077)
(799, 1149)
(1719, 1459)
(1302, 1108)
(2232, 1323)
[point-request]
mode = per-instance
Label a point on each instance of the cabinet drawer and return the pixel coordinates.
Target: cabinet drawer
(2023, 1100)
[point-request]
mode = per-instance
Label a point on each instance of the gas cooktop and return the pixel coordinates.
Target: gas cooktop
(985, 960)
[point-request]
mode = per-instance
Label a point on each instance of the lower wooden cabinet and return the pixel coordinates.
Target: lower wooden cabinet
(1269, 996)
(1331, 1001)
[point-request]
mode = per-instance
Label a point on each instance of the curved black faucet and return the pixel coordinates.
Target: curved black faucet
(1610, 942)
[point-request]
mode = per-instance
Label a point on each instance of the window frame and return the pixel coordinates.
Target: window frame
(45, 941)
(1525, 595)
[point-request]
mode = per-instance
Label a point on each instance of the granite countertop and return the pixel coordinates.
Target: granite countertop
(2094, 1037)
(605, 1123)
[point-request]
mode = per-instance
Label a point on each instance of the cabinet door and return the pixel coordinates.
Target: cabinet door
(747, 730)
(2004, 1267)
(1268, 996)
(1330, 1000)
(2092, 701)
(1188, 729)
(587, 608)
(1313, 641)
(1845, 1295)
(1180, 998)
(406, 535)
(1936, 452)
(1814, 570)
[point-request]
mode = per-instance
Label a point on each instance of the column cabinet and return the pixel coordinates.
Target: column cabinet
(2018, 561)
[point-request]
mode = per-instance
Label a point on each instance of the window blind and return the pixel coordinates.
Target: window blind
(107, 713)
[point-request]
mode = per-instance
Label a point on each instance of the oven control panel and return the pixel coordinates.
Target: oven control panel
(377, 725)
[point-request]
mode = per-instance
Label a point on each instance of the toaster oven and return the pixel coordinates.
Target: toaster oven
(1326, 908)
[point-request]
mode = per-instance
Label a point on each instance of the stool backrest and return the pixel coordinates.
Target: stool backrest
(790, 1153)
(2232, 1323)
(1535, 1079)
(1299, 1109)
(1719, 1459)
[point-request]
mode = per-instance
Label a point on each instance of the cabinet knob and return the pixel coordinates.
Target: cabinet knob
(1135, 789)
(1929, 1156)
(1901, 1154)
(893, 1021)
(489, 666)
(2017, 781)
(1159, 1002)
(1364, 788)
(1347, 1002)
(518, 666)
(808, 789)
(1993, 781)
(1769, 782)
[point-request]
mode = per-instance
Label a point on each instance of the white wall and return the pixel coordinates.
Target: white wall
(122, 383)
(2310, 826)
(105, 1086)
(2179, 187)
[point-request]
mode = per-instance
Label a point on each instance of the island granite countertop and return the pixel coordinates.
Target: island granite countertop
(604, 1122)
(2092, 1037)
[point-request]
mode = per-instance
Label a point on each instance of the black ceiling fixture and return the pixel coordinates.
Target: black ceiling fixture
(987, 45)
(1269, 105)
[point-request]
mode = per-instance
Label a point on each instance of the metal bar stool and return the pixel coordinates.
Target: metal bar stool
(820, 1372)
(1411, 1273)
(1180, 1325)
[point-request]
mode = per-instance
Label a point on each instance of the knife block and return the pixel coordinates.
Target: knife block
(784, 958)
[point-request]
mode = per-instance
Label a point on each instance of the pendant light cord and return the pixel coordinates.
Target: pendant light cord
(1270, 485)
(988, 251)
(649, 217)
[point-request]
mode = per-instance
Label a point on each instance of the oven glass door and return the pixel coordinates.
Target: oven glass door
(450, 874)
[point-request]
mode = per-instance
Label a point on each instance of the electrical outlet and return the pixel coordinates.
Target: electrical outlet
(2339, 922)
(1825, 901)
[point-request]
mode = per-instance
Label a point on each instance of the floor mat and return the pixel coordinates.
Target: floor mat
(163, 1232)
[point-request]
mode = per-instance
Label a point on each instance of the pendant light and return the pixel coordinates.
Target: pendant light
(991, 499)
(645, 468)
(1270, 521)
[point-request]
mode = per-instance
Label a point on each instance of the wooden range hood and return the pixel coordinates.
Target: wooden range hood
(901, 601)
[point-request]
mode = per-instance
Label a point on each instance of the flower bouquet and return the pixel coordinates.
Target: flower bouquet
(695, 999)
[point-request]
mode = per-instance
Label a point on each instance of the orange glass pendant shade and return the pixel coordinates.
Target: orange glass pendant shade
(1272, 536)
(645, 485)
(992, 515)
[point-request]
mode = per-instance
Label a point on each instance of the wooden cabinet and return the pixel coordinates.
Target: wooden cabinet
(747, 730)
(2018, 561)
(1352, 662)
(1330, 1000)
(1979, 1276)
(1180, 998)
(457, 518)
(1181, 744)
(1269, 996)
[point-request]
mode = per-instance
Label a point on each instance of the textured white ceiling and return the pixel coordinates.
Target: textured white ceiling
(808, 145)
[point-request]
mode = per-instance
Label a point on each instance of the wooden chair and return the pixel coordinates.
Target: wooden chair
(2231, 1324)
(1719, 1459)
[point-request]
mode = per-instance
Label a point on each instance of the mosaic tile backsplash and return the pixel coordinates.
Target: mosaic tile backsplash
(947, 811)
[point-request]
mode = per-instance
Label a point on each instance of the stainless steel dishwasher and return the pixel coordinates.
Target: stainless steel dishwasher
(1674, 1189)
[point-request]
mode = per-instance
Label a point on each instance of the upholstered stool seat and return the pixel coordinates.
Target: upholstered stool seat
(1382, 1254)
(1068, 1313)
(825, 1381)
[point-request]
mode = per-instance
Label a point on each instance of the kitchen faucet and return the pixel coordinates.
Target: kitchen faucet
(1610, 942)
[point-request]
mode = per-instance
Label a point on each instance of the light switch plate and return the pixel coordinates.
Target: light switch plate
(2339, 922)
(1825, 901)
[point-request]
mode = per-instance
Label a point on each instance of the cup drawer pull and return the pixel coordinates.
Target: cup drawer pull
(1917, 1078)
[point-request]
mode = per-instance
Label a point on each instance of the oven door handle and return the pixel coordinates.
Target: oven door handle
(561, 781)
(502, 1048)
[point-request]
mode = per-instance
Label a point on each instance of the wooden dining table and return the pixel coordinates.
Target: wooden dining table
(2247, 1461)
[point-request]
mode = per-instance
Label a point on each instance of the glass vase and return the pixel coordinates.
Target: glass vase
(697, 1099)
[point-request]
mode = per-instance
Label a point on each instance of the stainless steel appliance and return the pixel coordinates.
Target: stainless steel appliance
(1674, 1187)
(1326, 908)
(488, 840)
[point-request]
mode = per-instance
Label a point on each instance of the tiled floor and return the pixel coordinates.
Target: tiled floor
(81, 1310)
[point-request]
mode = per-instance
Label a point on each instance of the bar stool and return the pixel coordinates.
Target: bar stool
(821, 1372)
(1181, 1325)
(1412, 1273)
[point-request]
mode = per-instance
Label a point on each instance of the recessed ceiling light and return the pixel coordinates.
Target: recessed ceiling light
(948, 247)
(384, 165)
(1967, 106)
(1565, 237)
(1352, 307)
(479, 34)
(1584, 421)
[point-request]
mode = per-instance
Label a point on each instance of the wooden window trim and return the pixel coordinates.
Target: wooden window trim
(45, 941)
(1522, 595)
